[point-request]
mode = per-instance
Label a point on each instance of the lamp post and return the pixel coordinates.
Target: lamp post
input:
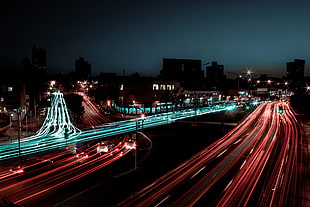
(11, 117)
(66, 135)
(136, 152)
(249, 72)
(239, 77)
(135, 138)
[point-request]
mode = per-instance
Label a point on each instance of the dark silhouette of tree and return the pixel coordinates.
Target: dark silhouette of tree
(300, 103)
(74, 104)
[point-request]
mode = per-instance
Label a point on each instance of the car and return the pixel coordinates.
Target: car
(81, 155)
(104, 147)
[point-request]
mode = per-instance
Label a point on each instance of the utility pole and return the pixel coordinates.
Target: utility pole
(134, 137)
(123, 94)
(19, 134)
(136, 153)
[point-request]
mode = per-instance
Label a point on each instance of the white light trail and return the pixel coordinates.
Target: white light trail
(52, 133)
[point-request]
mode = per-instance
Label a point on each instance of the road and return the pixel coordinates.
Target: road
(58, 130)
(29, 182)
(25, 185)
(51, 134)
(92, 115)
(255, 164)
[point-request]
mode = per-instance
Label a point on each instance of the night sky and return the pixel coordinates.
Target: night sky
(133, 35)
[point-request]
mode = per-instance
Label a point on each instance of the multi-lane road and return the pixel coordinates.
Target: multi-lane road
(23, 186)
(92, 115)
(28, 182)
(255, 164)
(58, 130)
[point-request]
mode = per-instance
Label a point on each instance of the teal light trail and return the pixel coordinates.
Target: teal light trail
(52, 133)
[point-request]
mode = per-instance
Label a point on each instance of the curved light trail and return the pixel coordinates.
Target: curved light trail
(25, 185)
(256, 163)
(253, 165)
(53, 135)
(92, 115)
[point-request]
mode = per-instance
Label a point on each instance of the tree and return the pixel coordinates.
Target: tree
(74, 104)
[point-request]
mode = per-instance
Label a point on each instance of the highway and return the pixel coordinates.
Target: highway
(255, 164)
(92, 115)
(26, 183)
(23, 186)
(51, 135)
(57, 130)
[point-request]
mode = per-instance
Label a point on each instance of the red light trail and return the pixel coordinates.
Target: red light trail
(254, 164)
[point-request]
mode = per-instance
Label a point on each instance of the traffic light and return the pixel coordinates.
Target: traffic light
(247, 107)
(280, 109)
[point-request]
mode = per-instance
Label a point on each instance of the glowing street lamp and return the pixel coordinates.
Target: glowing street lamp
(307, 88)
(248, 72)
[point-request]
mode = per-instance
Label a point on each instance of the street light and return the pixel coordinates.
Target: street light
(249, 72)
(249, 77)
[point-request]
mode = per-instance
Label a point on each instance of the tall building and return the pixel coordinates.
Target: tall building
(215, 76)
(33, 78)
(82, 69)
(39, 61)
(295, 73)
(187, 71)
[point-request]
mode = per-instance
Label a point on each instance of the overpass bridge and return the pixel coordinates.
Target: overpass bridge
(57, 129)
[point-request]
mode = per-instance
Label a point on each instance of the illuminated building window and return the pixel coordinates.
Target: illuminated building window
(170, 87)
(155, 87)
(121, 87)
(10, 89)
(162, 87)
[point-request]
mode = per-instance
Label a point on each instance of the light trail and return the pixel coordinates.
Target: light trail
(92, 115)
(51, 135)
(58, 130)
(256, 164)
(38, 180)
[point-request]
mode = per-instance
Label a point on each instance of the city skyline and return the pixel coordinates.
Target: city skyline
(136, 36)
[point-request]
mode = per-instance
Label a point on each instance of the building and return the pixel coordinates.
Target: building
(33, 77)
(187, 71)
(295, 73)
(215, 76)
(39, 61)
(138, 94)
(10, 89)
(82, 69)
